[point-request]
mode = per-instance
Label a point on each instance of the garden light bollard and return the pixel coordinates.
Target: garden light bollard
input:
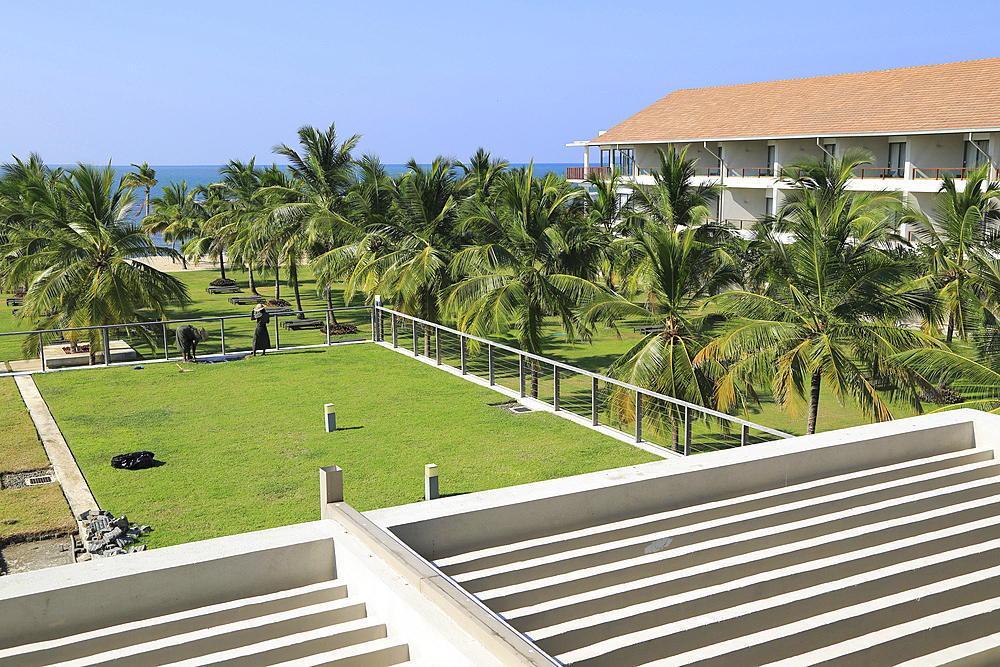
(330, 417)
(430, 481)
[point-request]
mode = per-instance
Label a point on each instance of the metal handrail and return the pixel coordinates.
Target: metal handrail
(750, 172)
(879, 172)
(954, 172)
(592, 375)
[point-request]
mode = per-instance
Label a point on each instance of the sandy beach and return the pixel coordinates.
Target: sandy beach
(168, 265)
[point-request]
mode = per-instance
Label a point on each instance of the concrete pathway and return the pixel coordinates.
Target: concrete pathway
(73, 484)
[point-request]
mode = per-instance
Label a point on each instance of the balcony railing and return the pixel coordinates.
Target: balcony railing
(749, 172)
(581, 173)
(879, 172)
(937, 173)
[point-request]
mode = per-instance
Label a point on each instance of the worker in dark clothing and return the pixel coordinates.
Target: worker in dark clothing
(188, 338)
(261, 338)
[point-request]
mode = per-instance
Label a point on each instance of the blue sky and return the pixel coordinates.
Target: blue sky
(200, 83)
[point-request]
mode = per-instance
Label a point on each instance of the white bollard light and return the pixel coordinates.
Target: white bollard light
(331, 418)
(430, 481)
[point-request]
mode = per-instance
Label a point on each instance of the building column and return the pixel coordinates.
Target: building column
(586, 161)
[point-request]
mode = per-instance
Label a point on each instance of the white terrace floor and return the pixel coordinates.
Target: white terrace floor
(868, 546)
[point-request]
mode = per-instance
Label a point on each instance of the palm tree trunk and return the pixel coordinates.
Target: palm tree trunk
(293, 275)
(813, 402)
(277, 281)
(253, 285)
(951, 328)
(328, 293)
(222, 264)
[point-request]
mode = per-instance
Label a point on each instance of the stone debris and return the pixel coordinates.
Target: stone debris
(109, 536)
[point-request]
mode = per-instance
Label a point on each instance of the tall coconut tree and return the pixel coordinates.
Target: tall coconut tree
(833, 312)
(144, 177)
(673, 198)
(524, 265)
(88, 269)
(176, 218)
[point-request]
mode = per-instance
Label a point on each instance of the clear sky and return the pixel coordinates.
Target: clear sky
(202, 82)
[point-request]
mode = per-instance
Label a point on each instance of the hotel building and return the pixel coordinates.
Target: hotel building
(919, 123)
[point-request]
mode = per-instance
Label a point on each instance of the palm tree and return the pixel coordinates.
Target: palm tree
(176, 217)
(525, 265)
(143, 177)
(677, 271)
(833, 310)
(960, 246)
(85, 272)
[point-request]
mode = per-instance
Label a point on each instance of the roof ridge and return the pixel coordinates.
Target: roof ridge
(833, 76)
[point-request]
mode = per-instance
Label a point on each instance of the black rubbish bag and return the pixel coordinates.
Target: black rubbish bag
(133, 461)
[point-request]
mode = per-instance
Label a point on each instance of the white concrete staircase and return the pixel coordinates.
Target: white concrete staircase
(894, 564)
(316, 624)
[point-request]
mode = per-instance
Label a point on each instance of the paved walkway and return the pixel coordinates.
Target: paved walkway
(73, 484)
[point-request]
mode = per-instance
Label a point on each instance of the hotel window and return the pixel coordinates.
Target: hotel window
(626, 158)
(768, 205)
(897, 160)
(770, 162)
(717, 171)
(975, 153)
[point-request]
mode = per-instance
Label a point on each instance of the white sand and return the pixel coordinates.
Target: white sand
(168, 265)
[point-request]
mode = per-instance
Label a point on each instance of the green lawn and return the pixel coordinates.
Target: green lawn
(34, 511)
(241, 442)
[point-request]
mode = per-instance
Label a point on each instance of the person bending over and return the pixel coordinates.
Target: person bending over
(188, 338)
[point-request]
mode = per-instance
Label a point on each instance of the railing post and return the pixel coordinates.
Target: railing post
(166, 348)
(371, 319)
(593, 401)
(105, 339)
(328, 326)
(395, 340)
(222, 334)
(744, 435)
(555, 388)
(638, 416)
(437, 346)
(489, 354)
(520, 372)
(415, 341)
(41, 350)
(687, 431)
(277, 343)
(461, 345)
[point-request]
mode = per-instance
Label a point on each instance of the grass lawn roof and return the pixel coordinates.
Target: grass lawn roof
(241, 442)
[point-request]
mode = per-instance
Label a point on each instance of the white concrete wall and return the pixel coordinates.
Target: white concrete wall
(744, 203)
(746, 154)
(788, 151)
(937, 150)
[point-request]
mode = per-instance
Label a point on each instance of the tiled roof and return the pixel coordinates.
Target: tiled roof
(956, 96)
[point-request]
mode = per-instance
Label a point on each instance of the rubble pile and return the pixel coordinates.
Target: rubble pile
(110, 536)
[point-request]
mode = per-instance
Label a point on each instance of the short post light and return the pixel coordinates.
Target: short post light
(331, 417)
(430, 481)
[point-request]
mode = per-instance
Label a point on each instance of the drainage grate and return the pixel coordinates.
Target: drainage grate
(38, 480)
(513, 407)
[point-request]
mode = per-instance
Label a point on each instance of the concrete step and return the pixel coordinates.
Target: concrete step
(759, 607)
(716, 639)
(213, 639)
(655, 539)
(561, 542)
(148, 630)
(378, 653)
(898, 510)
(712, 586)
(310, 647)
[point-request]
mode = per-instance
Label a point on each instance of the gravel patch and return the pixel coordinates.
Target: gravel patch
(16, 480)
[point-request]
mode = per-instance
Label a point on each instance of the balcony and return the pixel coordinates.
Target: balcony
(749, 172)
(582, 173)
(938, 173)
(879, 172)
